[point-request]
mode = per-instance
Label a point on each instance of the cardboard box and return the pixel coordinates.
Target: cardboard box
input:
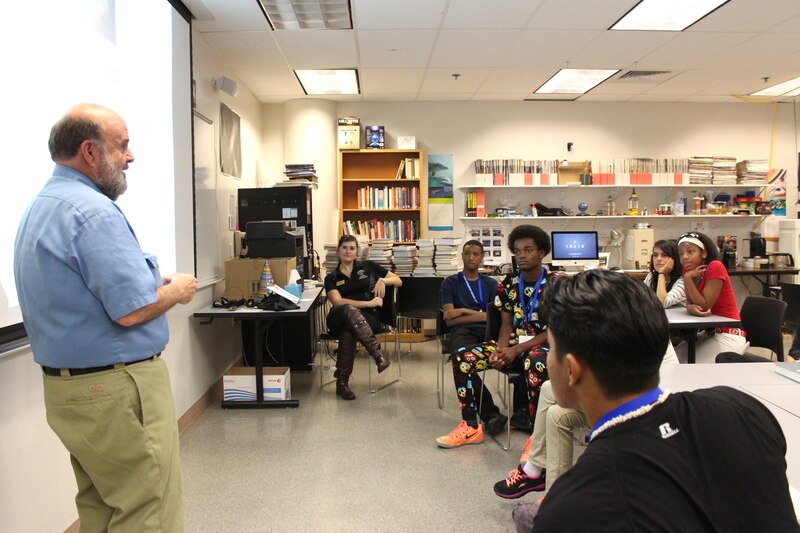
(571, 172)
(243, 275)
(239, 383)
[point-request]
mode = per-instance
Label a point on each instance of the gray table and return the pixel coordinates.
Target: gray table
(680, 319)
(310, 299)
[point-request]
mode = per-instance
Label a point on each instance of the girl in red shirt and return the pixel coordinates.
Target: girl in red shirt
(709, 291)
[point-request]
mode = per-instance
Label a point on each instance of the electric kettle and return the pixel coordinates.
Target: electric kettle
(781, 260)
(758, 245)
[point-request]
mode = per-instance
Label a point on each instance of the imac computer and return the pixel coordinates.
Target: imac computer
(574, 250)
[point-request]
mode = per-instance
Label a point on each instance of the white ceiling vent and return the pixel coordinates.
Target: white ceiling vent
(645, 76)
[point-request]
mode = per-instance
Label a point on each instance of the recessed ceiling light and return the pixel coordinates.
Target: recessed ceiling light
(341, 81)
(666, 15)
(575, 81)
(307, 14)
(787, 88)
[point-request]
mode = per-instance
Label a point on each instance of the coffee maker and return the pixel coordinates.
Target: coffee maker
(758, 245)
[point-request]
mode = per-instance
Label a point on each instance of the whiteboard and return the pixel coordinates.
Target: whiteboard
(206, 212)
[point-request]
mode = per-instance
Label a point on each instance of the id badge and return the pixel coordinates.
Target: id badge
(525, 338)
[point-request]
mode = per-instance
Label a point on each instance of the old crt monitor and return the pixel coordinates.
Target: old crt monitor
(574, 250)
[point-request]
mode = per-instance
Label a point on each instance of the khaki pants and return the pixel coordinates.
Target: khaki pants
(552, 438)
(120, 429)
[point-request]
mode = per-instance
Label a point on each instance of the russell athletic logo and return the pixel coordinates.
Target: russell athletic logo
(667, 431)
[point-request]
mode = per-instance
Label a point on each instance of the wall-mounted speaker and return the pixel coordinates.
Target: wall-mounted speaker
(227, 85)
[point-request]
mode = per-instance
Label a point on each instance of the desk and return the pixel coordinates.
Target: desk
(744, 376)
(310, 300)
(765, 272)
(679, 318)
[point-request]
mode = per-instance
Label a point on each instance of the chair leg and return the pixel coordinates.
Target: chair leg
(397, 364)
(323, 367)
(507, 447)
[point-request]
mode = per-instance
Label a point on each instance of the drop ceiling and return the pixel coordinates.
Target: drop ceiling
(503, 50)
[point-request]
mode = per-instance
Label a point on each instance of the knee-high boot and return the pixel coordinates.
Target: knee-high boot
(363, 333)
(344, 365)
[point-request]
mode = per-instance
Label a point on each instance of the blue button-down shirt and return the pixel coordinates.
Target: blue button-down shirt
(78, 267)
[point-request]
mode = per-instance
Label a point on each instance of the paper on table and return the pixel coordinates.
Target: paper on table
(283, 292)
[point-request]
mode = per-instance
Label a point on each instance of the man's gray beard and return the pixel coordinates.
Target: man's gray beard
(111, 180)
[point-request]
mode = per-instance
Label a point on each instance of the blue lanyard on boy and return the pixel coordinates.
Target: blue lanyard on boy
(527, 314)
(478, 300)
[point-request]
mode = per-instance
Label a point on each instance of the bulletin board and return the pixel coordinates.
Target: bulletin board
(206, 242)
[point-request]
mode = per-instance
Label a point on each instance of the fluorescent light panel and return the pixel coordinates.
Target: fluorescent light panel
(787, 88)
(575, 81)
(342, 81)
(666, 15)
(308, 14)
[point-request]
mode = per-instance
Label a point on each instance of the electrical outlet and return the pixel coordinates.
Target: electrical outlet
(700, 225)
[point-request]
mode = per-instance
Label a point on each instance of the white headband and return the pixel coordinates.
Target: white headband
(692, 240)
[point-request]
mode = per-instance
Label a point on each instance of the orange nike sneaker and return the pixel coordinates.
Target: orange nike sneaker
(463, 434)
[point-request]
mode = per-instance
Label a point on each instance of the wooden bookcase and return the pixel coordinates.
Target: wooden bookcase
(378, 169)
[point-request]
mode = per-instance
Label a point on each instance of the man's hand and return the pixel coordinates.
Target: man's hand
(450, 314)
(184, 285)
(502, 357)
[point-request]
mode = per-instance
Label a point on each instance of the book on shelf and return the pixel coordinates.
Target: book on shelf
(400, 170)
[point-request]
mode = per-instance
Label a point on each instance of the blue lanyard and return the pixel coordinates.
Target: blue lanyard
(478, 300)
(640, 401)
(527, 314)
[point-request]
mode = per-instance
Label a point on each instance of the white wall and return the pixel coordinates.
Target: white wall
(36, 481)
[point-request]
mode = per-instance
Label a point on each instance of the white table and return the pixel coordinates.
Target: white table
(746, 377)
(680, 318)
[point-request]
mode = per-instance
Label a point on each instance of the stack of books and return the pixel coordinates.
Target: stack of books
(723, 170)
(752, 171)
(424, 267)
(331, 257)
(405, 260)
(446, 256)
(299, 174)
(700, 170)
(381, 253)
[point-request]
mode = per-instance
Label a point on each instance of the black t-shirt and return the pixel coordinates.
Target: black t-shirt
(708, 460)
(361, 282)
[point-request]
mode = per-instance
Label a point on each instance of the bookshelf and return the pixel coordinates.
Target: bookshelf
(373, 201)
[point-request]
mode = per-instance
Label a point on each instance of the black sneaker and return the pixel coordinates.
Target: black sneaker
(522, 421)
(518, 484)
(495, 424)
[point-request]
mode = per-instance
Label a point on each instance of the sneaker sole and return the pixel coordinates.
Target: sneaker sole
(449, 447)
(520, 494)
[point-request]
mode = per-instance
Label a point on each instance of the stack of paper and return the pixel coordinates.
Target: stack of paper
(424, 259)
(723, 170)
(405, 259)
(447, 256)
(331, 257)
(752, 171)
(381, 253)
(700, 170)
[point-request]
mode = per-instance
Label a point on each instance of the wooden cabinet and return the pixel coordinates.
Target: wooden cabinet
(381, 193)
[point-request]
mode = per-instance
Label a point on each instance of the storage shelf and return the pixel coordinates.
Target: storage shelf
(391, 180)
(578, 186)
(356, 210)
(610, 217)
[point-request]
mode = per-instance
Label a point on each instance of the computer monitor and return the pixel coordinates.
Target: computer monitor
(574, 250)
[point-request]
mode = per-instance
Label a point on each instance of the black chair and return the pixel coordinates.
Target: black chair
(388, 317)
(790, 293)
(417, 299)
(493, 321)
(762, 319)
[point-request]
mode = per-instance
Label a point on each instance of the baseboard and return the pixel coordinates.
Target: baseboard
(214, 393)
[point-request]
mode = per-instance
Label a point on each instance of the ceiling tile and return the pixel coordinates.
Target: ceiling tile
(501, 97)
(391, 80)
(471, 48)
(764, 50)
(689, 49)
(443, 97)
(613, 49)
(748, 16)
(580, 14)
(545, 48)
(231, 16)
(270, 81)
(318, 49)
(441, 80)
(394, 14)
(395, 48)
(515, 80)
(246, 49)
(499, 14)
